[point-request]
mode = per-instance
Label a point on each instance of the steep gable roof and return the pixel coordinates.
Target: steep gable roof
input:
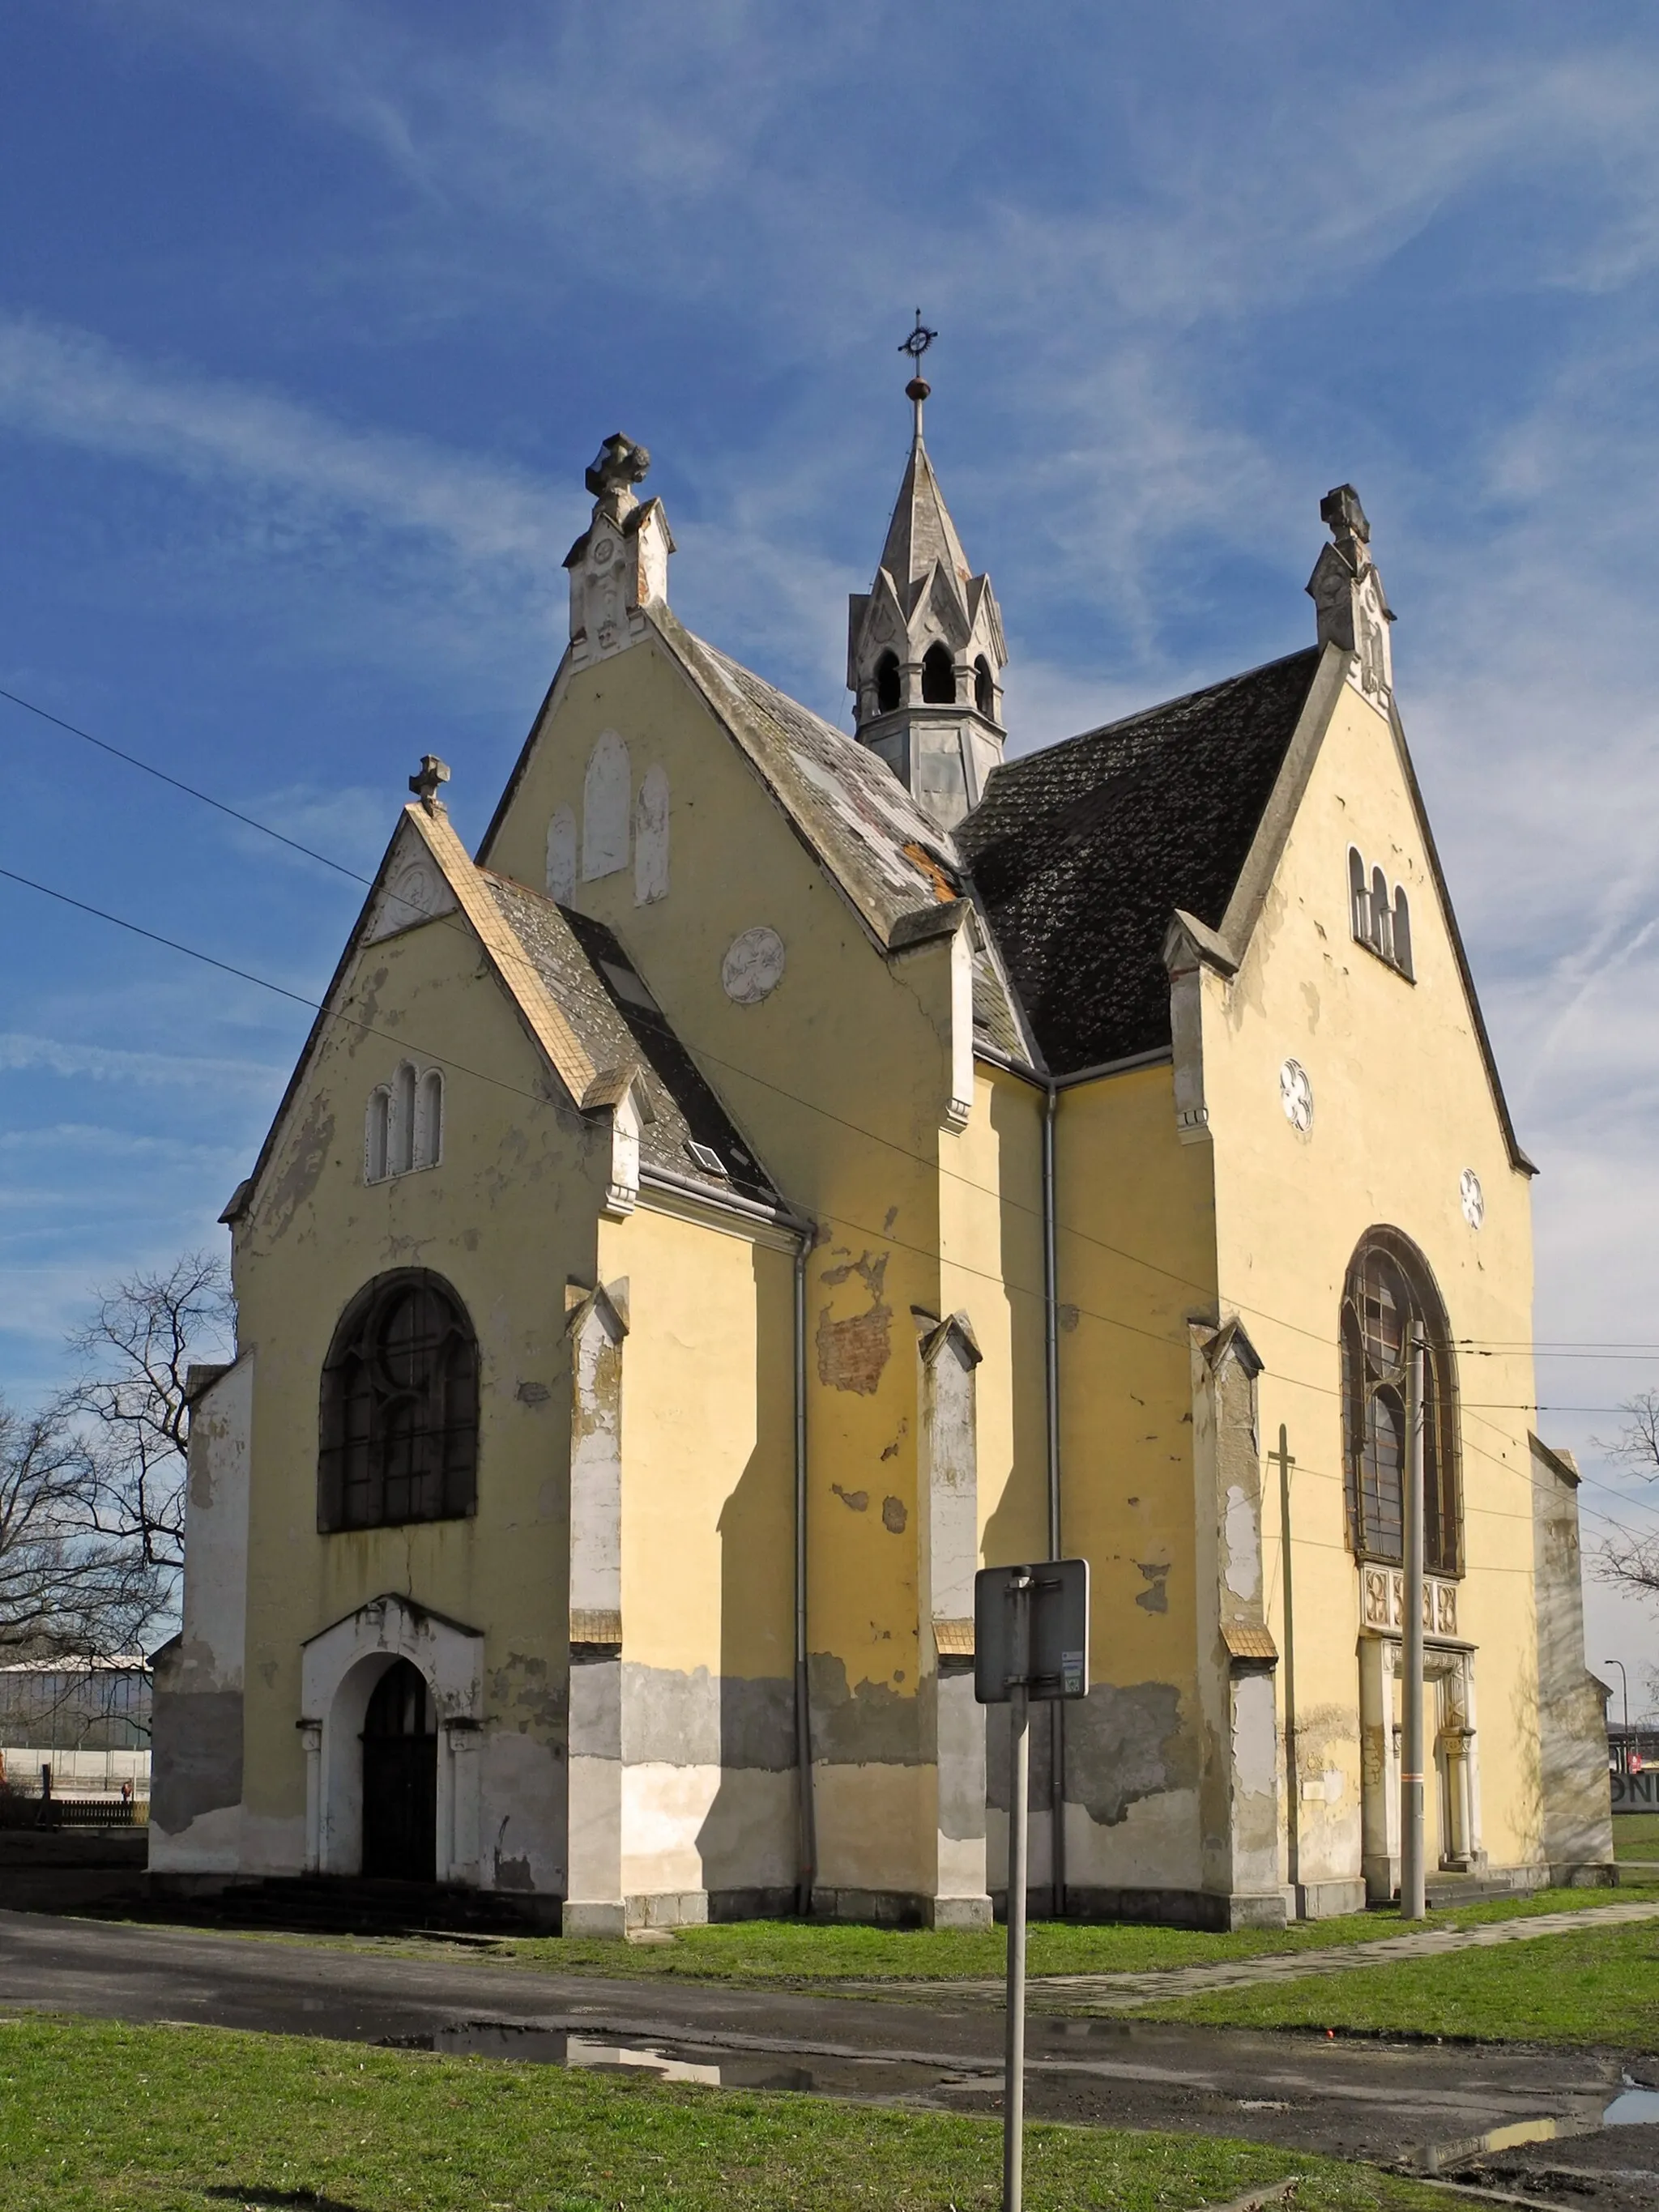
(620, 1025)
(1080, 854)
(846, 805)
(579, 997)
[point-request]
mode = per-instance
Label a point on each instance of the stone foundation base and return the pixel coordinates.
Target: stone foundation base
(1598, 1874)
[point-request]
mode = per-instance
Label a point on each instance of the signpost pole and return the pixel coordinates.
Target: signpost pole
(1019, 1743)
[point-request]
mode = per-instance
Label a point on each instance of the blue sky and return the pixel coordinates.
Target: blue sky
(310, 316)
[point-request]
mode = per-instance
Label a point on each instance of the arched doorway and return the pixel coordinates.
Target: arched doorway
(400, 1778)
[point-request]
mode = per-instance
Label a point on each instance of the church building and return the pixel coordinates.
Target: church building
(783, 1171)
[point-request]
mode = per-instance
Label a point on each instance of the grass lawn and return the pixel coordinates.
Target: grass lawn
(1636, 1835)
(1601, 1987)
(761, 1952)
(159, 2119)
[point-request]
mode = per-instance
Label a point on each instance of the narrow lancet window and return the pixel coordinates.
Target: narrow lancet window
(938, 678)
(429, 1120)
(887, 683)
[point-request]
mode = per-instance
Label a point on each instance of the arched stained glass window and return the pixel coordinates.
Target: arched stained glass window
(1389, 1291)
(399, 1415)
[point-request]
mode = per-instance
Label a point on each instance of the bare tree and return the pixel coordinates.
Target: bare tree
(1633, 1561)
(130, 1407)
(66, 1588)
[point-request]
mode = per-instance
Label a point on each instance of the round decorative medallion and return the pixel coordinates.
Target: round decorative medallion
(753, 966)
(601, 552)
(1473, 1198)
(1295, 1095)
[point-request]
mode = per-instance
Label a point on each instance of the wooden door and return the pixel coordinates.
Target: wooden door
(400, 1778)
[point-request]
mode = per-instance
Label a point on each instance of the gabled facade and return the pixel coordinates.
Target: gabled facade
(783, 1171)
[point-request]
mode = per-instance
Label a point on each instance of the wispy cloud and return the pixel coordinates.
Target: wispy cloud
(76, 1060)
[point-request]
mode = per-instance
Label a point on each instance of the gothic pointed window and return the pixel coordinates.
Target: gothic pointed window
(1359, 896)
(399, 1411)
(1402, 933)
(938, 678)
(401, 1149)
(887, 683)
(985, 693)
(377, 1135)
(1382, 916)
(1390, 1293)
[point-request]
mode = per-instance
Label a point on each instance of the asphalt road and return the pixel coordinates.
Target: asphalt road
(1392, 2103)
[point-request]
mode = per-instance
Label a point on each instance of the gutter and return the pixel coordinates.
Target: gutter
(807, 1819)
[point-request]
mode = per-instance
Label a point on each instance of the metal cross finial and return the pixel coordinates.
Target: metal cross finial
(919, 341)
(918, 388)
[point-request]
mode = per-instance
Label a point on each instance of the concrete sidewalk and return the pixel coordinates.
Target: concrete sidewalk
(1118, 1992)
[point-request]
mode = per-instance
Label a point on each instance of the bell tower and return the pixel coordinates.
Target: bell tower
(925, 650)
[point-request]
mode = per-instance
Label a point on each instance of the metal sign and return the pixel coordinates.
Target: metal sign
(1055, 1596)
(1030, 1640)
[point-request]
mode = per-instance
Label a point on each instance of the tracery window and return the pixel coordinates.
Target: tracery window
(1382, 924)
(399, 1412)
(1388, 1290)
(403, 1127)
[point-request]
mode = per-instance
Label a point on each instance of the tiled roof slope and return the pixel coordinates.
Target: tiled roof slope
(596, 986)
(1082, 852)
(848, 805)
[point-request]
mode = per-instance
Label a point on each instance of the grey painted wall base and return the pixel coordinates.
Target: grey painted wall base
(956, 1912)
(594, 1920)
(1215, 1910)
(880, 1908)
(1325, 1901)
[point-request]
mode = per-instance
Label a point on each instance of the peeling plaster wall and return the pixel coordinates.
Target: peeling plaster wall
(507, 1216)
(706, 1710)
(196, 1745)
(1577, 1806)
(844, 1077)
(1135, 1264)
(1401, 1108)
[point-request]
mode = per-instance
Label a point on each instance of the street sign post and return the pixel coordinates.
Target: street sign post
(1030, 1640)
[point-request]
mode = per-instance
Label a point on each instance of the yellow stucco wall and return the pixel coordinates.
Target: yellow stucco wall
(1402, 1106)
(508, 1214)
(840, 1078)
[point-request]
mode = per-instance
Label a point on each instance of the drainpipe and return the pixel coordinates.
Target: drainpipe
(807, 1823)
(1051, 1383)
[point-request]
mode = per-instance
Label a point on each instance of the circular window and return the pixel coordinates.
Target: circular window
(1296, 1096)
(1473, 1198)
(753, 966)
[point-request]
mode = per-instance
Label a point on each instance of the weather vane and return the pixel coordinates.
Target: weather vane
(918, 388)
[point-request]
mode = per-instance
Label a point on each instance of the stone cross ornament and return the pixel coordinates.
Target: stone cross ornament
(425, 785)
(618, 467)
(1347, 593)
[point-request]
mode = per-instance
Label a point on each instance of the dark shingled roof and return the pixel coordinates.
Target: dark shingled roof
(618, 1023)
(1082, 852)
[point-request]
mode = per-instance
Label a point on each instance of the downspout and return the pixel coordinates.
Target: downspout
(1051, 1390)
(807, 1867)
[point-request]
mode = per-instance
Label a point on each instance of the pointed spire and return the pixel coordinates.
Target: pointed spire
(925, 650)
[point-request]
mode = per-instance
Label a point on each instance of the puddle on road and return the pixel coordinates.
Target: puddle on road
(1634, 2107)
(675, 2062)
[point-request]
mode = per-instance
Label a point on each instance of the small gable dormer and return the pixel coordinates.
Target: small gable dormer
(925, 651)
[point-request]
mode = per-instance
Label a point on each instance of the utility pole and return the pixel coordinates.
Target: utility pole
(1283, 1460)
(1413, 1899)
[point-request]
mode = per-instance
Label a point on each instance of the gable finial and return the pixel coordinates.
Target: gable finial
(619, 465)
(1353, 609)
(433, 772)
(918, 388)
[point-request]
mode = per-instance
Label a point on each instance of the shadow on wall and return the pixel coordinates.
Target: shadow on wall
(748, 1838)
